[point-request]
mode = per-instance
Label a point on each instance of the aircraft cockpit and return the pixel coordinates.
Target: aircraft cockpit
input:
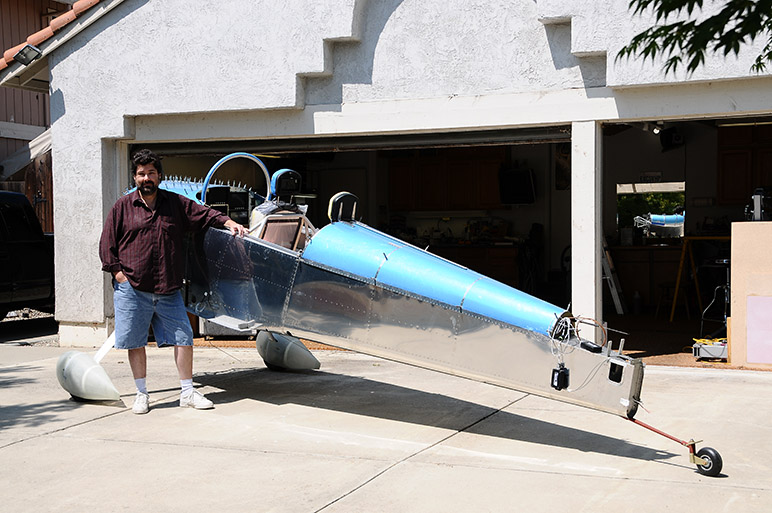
(280, 220)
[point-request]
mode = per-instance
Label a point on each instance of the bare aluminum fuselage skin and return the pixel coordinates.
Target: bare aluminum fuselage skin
(359, 289)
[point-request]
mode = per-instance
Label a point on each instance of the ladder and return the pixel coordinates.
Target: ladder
(610, 277)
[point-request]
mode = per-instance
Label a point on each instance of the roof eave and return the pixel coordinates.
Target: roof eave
(27, 77)
(35, 76)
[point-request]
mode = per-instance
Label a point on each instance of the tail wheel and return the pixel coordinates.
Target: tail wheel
(713, 463)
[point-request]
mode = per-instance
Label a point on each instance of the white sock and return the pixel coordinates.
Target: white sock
(141, 385)
(187, 385)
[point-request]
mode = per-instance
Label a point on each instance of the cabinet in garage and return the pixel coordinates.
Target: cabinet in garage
(454, 179)
(744, 161)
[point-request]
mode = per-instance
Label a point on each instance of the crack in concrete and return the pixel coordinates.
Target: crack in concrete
(421, 451)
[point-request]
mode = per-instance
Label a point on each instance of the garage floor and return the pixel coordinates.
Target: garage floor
(660, 342)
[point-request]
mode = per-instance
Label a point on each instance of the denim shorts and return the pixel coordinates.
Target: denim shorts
(136, 311)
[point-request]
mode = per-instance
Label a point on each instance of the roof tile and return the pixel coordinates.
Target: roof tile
(83, 5)
(40, 36)
(9, 53)
(62, 20)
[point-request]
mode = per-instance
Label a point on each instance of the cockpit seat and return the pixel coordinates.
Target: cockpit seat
(343, 207)
(280, 220)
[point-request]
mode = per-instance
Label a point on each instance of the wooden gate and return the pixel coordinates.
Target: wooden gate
(39, 189)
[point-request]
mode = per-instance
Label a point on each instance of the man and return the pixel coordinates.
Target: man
(141, 246)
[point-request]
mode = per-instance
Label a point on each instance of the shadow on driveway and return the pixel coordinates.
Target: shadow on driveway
(360, 396)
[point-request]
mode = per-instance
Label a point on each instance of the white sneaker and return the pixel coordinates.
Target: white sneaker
(195, 399)
(141, 403)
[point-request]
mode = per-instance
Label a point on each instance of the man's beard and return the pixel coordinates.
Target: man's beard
(148, 188)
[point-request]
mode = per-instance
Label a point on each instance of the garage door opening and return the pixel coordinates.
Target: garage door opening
(497, 202)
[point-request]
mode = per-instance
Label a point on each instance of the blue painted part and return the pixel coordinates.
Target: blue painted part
(230, 156)
(411, 269)
(183, 188)
(363, 251)
(275, 180)
(667, 220)
(494, 299)
(362, 256)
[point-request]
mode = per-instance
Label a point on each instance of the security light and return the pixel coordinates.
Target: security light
(27, 54)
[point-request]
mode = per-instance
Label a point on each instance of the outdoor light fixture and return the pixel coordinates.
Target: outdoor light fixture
(27, 54)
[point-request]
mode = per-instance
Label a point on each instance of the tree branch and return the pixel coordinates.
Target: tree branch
(736, 24)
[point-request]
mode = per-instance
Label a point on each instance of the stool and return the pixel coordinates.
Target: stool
(666, 291)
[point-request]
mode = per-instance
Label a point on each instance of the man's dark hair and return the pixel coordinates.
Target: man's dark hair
(143, 157)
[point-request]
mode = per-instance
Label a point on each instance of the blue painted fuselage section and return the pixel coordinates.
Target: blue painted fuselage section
(364, 252)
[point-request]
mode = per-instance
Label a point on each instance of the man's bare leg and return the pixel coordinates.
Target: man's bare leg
(138, 362)
(183, 356)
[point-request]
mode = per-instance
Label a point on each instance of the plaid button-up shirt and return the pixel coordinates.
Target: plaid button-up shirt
(147, 245)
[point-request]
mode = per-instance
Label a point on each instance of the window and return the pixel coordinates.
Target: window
(655, 208)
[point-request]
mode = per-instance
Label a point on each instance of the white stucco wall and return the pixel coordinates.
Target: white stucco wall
(604, 27)
(168, 70)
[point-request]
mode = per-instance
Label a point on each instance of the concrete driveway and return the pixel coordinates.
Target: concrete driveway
(364, 434)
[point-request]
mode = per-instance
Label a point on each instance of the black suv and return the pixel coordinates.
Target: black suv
(26, 257)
